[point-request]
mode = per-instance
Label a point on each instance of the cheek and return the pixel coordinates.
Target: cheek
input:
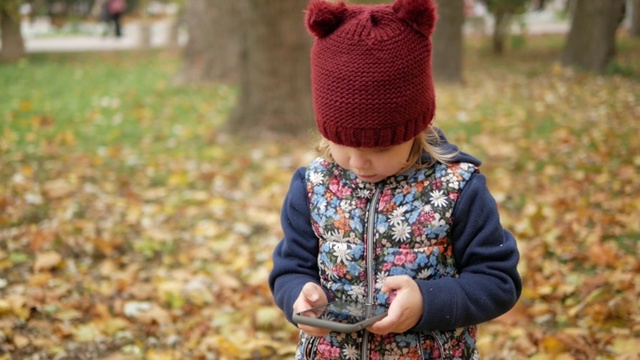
(405, 153)
(341, 160)
(398, 161)
(338, 156)
(393, 165)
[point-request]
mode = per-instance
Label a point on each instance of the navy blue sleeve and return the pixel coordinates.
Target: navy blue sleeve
(486, 256)
(295, 258)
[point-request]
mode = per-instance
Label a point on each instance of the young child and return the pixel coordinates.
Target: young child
(390, 213)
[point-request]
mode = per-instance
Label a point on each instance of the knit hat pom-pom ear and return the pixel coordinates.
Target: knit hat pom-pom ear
(421, 14)
(323, 17)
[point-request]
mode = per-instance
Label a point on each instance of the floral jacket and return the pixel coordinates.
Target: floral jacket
(439, 225)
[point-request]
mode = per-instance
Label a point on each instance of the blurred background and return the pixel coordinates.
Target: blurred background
(144, 158)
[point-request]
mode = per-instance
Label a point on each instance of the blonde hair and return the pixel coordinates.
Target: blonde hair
(428, 141)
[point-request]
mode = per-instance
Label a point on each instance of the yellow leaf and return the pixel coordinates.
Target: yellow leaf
(39, 279)
(227, 281)
(119, 356)
(266, 316)
(177, 179)
(155, 354)
(47, 261)
(26, 170)
(112, 325)
(223, 345)
(57, 189)
(66, 138)
(147, 313)
(169, 290)
(21, 341)
(18, 306)
(5, 307)
(25, 105)
(67, 315)
(557, 69)
(627, 347)
(553, 345)
(86, 333)
(107, 246)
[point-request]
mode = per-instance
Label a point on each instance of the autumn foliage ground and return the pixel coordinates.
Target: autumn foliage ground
(132, 228)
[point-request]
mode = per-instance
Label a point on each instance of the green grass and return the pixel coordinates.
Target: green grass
(92, 101)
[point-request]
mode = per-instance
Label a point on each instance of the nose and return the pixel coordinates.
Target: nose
(359, 161)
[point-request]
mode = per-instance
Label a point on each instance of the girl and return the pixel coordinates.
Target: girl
(390, 213)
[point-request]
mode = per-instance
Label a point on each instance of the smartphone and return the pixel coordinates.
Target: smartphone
(341, 316)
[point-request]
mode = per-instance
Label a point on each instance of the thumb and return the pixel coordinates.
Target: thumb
(391, 283)
(394, 284)
(311, 292)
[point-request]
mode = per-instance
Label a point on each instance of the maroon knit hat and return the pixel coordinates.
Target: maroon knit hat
(371, 71)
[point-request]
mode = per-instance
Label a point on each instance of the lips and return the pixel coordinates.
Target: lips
(367, 176)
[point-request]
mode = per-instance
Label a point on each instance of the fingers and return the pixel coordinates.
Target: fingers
(313, 331)
(311, 296)
(406, 306)
(385, 325)
(395, 283)
(312, 293)
(404, 312)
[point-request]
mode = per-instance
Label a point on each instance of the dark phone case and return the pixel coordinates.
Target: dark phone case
(339, 318)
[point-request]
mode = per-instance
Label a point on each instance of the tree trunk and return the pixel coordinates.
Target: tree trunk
(634, 30)
(12, 42)
(448, 41)
(212, 51)
(144, 42)
(591, 42)
(275, 91)
(501, 24)
(173, 35)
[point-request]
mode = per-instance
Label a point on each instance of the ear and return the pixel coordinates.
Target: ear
(324, 17)
(421, 14)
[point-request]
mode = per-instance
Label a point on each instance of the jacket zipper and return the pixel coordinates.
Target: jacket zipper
(371, 227)
(439, 343)
(309, 347)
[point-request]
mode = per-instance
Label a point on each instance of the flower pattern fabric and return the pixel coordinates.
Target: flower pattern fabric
(411, 223)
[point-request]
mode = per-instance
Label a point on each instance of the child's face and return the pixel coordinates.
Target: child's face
(372, 164)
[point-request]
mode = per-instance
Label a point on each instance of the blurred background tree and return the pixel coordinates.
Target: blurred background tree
(503, 12)
(634, 28)
(12, 42)
(591, 43)
(274, 87)
(212, 51)
(263, 48)
(448, 41)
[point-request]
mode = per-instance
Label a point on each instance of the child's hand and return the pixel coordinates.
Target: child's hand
(406, 307)
(311, 296)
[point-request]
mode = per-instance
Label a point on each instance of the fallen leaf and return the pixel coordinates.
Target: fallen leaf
(47, 261)
(57, 189)
(21, 341)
